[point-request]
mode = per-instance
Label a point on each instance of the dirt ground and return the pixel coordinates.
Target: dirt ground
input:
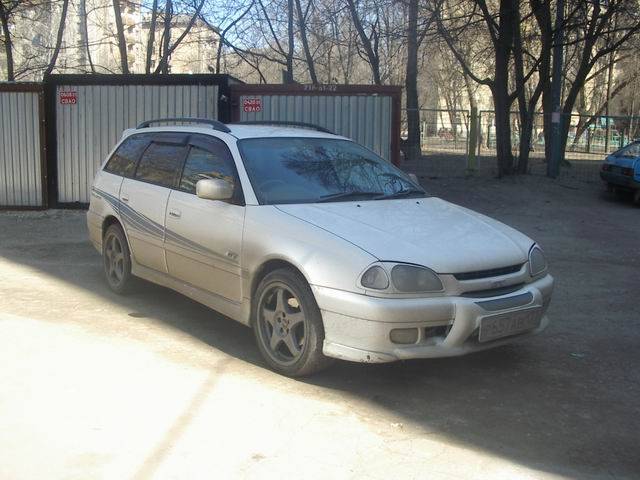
(153, 385)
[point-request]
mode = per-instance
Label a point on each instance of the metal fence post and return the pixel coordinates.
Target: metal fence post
(472, 159)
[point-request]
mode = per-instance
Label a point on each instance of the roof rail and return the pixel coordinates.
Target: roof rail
(215, 124)
(285, 123)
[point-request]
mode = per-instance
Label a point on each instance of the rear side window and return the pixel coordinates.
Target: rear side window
(123, 161)
(210, 163)
(629, 151)
(161, 164)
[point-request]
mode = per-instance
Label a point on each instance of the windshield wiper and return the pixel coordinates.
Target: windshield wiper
(334, 196)
(402, 193)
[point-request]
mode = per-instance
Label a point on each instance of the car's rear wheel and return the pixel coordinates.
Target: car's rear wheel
(116, 259)
(288, 325)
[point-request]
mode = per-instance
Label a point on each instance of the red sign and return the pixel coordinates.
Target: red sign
(68, 98)
(252, 104)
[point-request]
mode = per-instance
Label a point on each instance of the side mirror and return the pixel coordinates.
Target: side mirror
(214, 189)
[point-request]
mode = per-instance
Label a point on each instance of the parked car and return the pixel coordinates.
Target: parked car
(322, 247)
(621, 170)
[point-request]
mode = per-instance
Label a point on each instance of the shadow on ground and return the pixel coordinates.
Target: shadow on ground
(565, 402)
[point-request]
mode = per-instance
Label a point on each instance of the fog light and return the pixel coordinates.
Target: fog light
(404, 335)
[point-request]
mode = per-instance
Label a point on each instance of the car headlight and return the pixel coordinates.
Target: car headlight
(375, 278)
(414, 279)
(537, 262)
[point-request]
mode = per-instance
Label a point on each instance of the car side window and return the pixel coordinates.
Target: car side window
(160, 164)
(123, 161)
(209, 163)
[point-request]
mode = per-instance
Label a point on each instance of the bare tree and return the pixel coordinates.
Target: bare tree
(412, 144)
(58, 45)
(596, 31)
(369, 42)
(302, 21)
(151, 37)
(122, 43)
(163, 62)
(84, 33)
(7, 7)
(499, 26)
(226, 30)
(291, 42)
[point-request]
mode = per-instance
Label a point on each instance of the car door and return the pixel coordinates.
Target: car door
(144, 198)
(203, 238)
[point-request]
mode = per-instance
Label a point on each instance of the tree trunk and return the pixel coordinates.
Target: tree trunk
(56, 50)
(412, 146)
(305, 43)
(166, 38)
(85, 33)
(372, 56)
(503, 130)
(122, 43)
(525, 110)
(500, 89)
(152, 37)
(289, 73)
(163, 66)
(8, 44)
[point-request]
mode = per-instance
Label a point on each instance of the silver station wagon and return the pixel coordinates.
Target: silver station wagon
(319, 245)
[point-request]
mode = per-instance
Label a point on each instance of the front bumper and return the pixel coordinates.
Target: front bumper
(619, 180)
(357, 327)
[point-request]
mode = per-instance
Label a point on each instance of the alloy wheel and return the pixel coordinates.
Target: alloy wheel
(282, 325)
(114, 260)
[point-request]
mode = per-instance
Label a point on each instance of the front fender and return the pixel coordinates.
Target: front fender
(323, 258)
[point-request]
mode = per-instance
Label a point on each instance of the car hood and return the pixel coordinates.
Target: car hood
(424, 231)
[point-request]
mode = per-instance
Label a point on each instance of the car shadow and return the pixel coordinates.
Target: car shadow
(534, 403)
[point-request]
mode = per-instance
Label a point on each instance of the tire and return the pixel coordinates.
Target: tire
(288, 325)
(116, 260)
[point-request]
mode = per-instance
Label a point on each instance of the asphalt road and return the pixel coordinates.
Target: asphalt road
(153, 385)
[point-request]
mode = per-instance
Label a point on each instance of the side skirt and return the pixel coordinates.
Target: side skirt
(237, 311)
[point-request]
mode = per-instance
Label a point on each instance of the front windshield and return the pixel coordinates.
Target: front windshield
(309, 170)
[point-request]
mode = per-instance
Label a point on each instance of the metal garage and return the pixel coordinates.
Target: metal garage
(87, 114)
(53, 136)
(368, 114)
(22, 172)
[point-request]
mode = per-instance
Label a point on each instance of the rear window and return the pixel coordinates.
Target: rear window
(123, 161)
(630, 151)
(161, 164)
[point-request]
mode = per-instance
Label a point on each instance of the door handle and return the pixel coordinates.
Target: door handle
(124, 198)
(175, 213)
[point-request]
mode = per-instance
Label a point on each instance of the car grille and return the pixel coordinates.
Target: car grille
(493, 292)
(494, 272)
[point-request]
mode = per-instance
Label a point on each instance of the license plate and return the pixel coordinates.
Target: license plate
(506, 324)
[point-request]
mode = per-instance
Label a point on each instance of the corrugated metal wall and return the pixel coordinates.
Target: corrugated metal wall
(367, 119)
(20, 149)
(87, 130)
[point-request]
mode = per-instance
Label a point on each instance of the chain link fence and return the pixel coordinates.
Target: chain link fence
(449, 147)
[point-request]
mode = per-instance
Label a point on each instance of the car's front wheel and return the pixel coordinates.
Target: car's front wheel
(288, 325)
(116, 259)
